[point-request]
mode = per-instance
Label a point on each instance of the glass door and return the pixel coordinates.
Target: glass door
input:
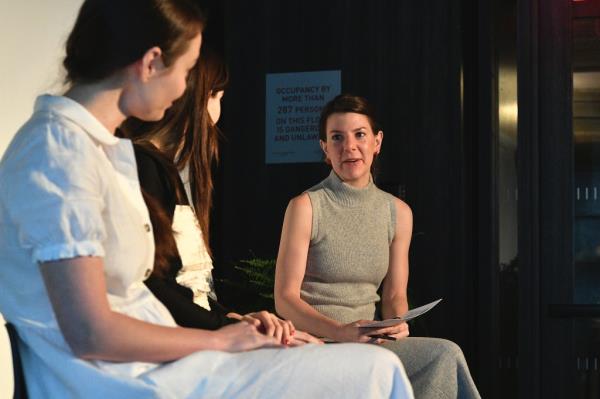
(586, 199)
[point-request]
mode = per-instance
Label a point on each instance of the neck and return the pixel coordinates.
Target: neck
(101, 100)
(346, 194)
(360, 183)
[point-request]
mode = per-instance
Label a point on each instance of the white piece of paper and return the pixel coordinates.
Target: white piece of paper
(411, 314)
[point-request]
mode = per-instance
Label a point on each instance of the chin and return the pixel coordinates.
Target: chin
(155, 116)
(348, 177)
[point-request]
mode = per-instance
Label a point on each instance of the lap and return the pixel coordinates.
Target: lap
(340, 370)
(417, 353)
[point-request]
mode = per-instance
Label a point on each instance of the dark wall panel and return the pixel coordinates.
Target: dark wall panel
(405, 57)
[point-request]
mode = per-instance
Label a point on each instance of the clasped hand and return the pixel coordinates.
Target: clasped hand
(283, 331)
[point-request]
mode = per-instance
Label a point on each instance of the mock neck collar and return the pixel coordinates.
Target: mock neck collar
(345, 194)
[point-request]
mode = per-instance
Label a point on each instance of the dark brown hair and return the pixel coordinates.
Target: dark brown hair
(344, 103)
(165, 246)
(187, 136)
(109, 35)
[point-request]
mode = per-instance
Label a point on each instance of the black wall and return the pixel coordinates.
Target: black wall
(406, 58)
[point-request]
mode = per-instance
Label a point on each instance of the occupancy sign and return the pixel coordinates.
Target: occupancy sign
(293, 105)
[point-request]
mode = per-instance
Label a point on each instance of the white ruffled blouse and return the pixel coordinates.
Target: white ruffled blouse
(196, 271)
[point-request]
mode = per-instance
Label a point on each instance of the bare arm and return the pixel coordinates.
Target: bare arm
(289, 274)
(394, 298)
(77, 291)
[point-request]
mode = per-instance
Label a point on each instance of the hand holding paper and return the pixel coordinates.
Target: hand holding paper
(411, 314)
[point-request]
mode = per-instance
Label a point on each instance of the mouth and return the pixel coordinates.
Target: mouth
(352, 161)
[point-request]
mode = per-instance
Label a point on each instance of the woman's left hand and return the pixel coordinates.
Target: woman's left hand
(398, 331)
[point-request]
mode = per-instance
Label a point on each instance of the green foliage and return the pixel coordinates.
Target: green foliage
(261, 275)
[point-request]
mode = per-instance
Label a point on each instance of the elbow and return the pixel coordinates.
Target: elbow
(282, 304)
(279, 306)
(86, 343)
(86, 348)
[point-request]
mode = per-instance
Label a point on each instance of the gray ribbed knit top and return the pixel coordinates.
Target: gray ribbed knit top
(348, 255)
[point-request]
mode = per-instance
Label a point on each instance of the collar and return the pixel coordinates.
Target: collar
(345, 194)
(77, 113)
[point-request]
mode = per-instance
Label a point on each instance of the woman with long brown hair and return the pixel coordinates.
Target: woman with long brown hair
(76, 240)
(175, 159)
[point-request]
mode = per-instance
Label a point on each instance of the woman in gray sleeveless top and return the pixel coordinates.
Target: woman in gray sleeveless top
(341, 239)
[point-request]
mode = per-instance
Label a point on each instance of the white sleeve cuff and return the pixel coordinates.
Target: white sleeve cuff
(67, 251)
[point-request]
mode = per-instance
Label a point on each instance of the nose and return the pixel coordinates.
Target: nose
(349, 144)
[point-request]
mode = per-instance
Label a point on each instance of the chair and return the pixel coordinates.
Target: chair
(13, 380)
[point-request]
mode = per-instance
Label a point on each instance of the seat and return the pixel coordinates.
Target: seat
(12, 381)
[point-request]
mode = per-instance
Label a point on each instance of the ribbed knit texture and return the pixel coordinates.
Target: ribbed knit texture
(348, 256)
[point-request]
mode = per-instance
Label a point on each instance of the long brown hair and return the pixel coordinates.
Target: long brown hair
(187, 136)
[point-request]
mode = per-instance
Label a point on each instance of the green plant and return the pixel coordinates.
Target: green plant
(261, 275)
(250, 287)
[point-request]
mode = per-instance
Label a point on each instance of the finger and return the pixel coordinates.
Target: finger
(266, 341)
(394, 329)
(236, 316)
(295, 342)
(375, 331)
(365, 339)
(286, 336)
(292, 327)
(387, 331)
(278, 329)
(402, 330)
(271, 342)
(252, 321)
(400, 335)
(306, 337)
(267, 323)
(361, 322)
(375, 341)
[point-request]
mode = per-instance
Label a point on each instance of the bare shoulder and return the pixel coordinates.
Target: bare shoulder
(404, 218)
(300, 205)
(403, 211)
(298, 216)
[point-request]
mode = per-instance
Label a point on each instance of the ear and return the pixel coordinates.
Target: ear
(323, 145)
(378, 141)
(150, 64)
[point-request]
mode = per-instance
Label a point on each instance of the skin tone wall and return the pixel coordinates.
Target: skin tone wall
(32, 37)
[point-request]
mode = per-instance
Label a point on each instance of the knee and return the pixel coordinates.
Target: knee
(381, 355)
(450, 350)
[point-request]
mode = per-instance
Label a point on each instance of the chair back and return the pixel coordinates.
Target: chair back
(12, 380)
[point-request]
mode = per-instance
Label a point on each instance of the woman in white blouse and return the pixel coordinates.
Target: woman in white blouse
(76, 241)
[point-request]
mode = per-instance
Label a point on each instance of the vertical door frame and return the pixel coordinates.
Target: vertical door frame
(545, 158)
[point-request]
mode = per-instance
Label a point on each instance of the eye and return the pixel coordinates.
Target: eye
(336, 137)
(360, 134)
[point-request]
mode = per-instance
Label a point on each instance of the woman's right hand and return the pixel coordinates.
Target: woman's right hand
(352, 333)
(240, 337)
